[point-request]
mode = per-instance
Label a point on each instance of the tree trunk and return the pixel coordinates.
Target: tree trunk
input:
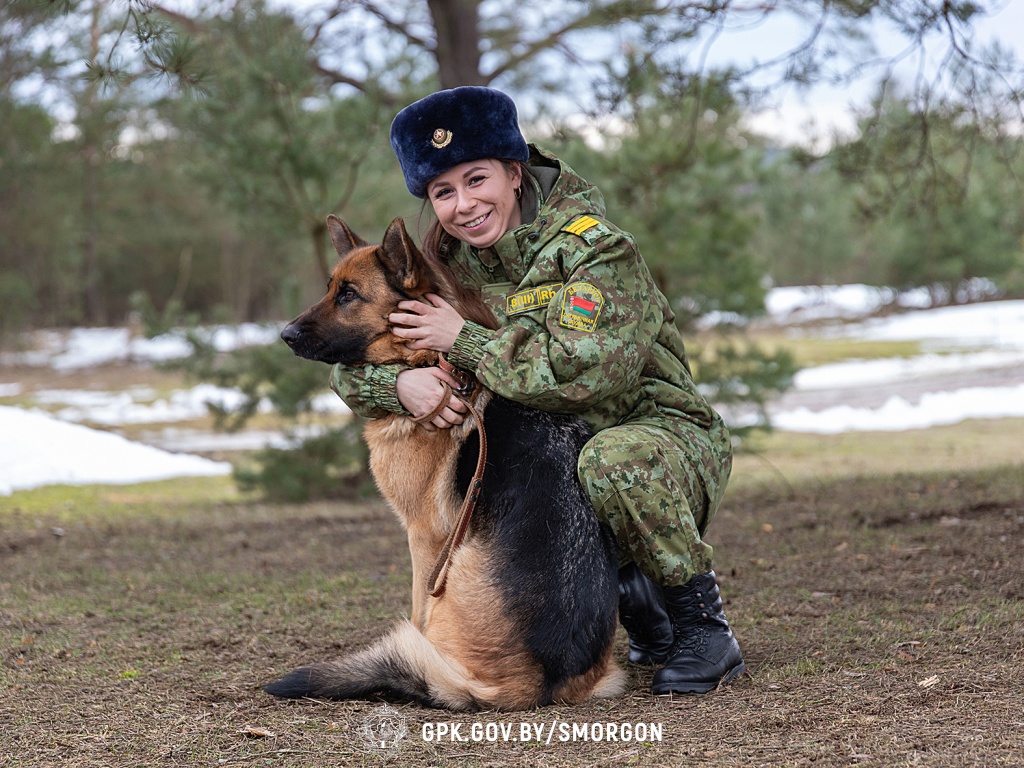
(457, 23)
(92, 159)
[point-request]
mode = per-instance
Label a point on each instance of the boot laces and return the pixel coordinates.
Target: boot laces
(695, 635)
(694, 638)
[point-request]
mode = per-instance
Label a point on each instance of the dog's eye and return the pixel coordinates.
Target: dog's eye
(346, 295)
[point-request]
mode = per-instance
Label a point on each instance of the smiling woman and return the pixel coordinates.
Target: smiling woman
(477, 202)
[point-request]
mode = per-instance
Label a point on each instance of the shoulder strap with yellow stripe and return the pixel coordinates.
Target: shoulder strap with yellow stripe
(581, 225)
(588, 228)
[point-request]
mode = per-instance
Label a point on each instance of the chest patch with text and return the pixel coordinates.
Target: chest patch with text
(530, 299)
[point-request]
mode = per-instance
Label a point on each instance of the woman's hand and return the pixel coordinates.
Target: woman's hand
(419, 391)
(434, 325)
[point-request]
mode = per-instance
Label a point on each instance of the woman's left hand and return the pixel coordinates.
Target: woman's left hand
(427, 326)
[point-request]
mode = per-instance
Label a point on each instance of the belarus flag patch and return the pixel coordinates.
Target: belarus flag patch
(581, 305)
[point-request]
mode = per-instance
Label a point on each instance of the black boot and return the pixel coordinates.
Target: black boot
(642, 612)
(705, 653)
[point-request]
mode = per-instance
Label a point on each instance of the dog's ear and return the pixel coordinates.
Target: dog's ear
(344, 239)
(403, 255)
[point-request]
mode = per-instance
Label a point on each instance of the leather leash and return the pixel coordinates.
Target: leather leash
(467, 387)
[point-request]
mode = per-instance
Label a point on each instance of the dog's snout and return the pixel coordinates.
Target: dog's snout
(291, 333)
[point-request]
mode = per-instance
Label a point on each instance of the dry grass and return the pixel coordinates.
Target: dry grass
(811, 346)
(881, 618)
(875, 582)
(789, 457)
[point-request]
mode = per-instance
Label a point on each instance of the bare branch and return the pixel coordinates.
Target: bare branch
(628, 11)
(338, 78)
(397, 27)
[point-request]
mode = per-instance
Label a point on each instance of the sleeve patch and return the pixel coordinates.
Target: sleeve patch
(581, 306)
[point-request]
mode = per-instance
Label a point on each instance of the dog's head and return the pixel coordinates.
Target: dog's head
(350, 324)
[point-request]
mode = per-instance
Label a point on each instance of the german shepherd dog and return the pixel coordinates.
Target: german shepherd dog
(529, 610)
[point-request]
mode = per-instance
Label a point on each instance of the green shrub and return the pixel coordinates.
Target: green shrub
(331, 466)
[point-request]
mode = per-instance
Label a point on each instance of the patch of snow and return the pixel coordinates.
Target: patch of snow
(897, 414)
(174, 439)
(38, 450)
(990, 325)
(81, 348)
(117, 408)
(853, 373)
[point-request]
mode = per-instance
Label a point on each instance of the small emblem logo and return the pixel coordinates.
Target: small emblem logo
(384, 728)
(441, 138)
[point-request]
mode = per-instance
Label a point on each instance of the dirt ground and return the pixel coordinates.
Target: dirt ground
(881, 619)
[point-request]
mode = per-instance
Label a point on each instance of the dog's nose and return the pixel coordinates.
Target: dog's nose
(291, 333)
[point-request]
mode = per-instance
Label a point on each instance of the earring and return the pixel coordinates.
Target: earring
(519, 192)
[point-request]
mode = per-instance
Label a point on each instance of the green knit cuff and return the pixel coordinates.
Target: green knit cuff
(383, 387)
(468, 349)
(369, 389)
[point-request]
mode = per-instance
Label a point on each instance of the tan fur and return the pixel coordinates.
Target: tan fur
(419, 489)
(605, 681)
(468, 624)
(451, 682)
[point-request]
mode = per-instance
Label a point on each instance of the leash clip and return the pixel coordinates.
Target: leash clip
(464, 380)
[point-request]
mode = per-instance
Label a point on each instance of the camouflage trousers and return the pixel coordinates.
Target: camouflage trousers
(649, 481)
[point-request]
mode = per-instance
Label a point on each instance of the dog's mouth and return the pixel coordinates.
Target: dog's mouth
(308, 348)
(308, 345)
(349, 348)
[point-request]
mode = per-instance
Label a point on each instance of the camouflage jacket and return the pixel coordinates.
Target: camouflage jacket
(584, 327)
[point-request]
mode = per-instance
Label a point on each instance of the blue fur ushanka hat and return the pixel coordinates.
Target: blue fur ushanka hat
(447, 128)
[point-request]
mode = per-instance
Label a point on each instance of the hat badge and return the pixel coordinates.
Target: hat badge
(441, 138)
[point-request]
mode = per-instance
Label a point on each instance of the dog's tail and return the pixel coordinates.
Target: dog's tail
(404, 665)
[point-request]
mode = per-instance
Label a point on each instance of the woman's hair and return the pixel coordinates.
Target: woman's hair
(466, 299)
(437, 242)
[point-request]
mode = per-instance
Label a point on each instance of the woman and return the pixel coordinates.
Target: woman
(585, 330)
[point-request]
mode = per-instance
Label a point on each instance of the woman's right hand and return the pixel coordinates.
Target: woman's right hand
(419, 391)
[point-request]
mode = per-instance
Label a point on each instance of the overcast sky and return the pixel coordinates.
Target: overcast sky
(824, 108)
